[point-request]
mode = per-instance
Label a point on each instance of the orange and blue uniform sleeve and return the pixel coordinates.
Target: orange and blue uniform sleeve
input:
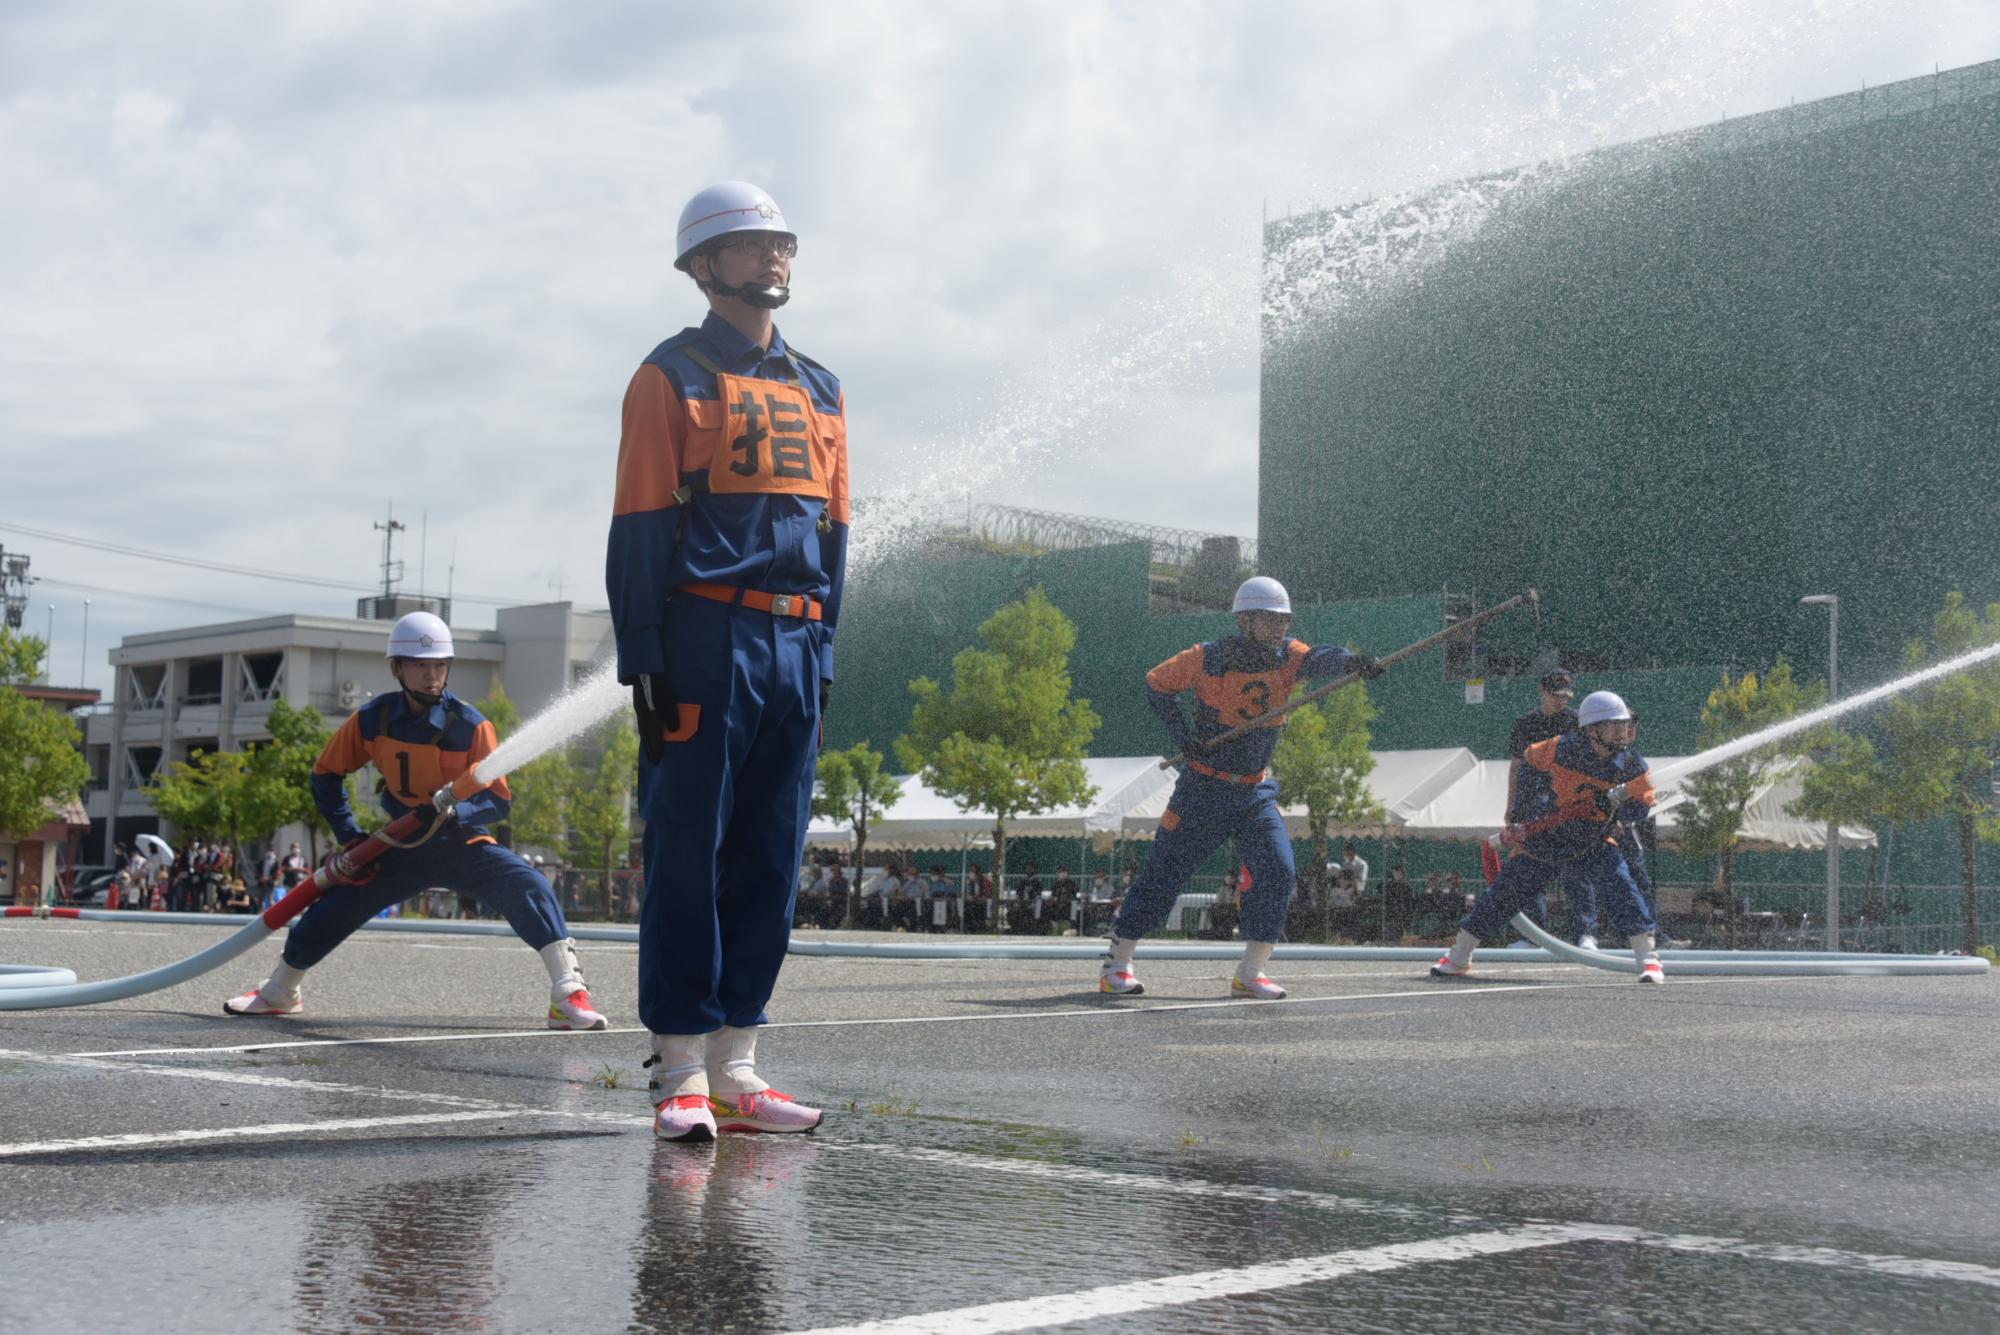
(345, 752)
(1164, 685)
(639, 555)
(833, 548)
(1325, 661)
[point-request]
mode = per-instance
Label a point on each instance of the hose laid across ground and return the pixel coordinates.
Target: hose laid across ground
(32, 987)
(35, 992)
(1752, 963)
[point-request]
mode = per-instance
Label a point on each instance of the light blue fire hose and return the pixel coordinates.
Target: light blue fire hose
(30, 987)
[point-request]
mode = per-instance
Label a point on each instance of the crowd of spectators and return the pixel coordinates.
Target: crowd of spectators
(905, 895)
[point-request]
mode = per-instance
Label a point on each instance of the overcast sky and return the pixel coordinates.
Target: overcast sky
(268, 268)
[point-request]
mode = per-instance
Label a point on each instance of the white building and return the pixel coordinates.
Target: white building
(210, 688)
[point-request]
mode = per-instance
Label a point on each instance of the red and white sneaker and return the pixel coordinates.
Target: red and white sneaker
(1651, 972)
(1118, 980)
(256, 1002)
(1259, 988)
(575, 1012)
(764, 1110)
(1444, 968)
(684, 1117)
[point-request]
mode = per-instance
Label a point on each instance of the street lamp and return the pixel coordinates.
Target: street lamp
(49, 648)
(83, 652)
(1831, 602)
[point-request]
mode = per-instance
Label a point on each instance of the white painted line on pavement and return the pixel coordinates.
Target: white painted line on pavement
(285, 1083)
(984, 1017)
(1908, 1267)
(565, 1035)
(1061, 1309)
(1913, 1267)
(1176, 1186)
(144, 1139)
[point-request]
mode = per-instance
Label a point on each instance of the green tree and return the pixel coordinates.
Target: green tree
(1322, 763)
(853, 787)
(1711, 822)
(280, 773)
(541, 788)
(206, 796)
(600, 804)
(1934, 751)
(39, 762)
(1007, 737)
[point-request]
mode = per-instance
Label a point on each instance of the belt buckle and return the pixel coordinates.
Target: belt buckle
(781, 605)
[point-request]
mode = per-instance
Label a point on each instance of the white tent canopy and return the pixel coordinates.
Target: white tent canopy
(1443, 793)
(1471, 809)
(924, 818)
(1402, 782)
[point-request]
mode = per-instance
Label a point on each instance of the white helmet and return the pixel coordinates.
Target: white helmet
(1261, 593)
(420, 635)
(731, 206)
(1602, 707)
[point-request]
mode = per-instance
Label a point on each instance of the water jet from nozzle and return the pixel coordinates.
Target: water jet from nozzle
(589, 702)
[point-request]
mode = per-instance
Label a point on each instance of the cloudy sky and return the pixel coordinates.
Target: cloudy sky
(269, 267)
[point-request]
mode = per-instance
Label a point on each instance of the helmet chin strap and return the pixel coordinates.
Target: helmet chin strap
(428, 699)
(763, 296)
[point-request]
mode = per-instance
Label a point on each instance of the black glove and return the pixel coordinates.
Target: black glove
(658, 710)
(1610, 800)
(825, 694)
(1366, 666)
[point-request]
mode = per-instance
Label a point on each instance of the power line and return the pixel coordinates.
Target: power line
(137, 596)
(142, 554)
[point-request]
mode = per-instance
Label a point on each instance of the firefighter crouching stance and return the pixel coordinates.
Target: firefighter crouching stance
(420, 738)
(1226, 791)
(725, 564)
(1593, 768)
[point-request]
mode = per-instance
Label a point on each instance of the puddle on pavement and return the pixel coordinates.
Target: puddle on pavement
(878, 1216)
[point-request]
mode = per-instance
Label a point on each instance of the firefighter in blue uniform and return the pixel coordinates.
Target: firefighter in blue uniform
(1226, 790)
(419, 739)
(1592, 770)
(727, 554)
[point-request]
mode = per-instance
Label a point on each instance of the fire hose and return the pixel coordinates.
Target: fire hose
(1707, 963)
(28, 987)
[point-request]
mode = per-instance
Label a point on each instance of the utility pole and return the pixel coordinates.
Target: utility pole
(14, 582)
(1831, 602)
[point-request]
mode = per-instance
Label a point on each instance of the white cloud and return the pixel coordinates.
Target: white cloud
(269, 267)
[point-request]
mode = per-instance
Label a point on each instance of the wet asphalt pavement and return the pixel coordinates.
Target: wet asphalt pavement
(1557, 1149)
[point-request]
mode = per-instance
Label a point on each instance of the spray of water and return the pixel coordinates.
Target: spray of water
(1321, 265)
(1078, 397)
(584, 705)
(1777, 732)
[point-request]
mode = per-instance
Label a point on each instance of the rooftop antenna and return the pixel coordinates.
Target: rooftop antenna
(392, 569)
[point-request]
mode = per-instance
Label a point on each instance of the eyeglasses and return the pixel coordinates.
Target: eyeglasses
(761, 243)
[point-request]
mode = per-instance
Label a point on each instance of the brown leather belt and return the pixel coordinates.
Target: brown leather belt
(1224, 775)
(777, 604)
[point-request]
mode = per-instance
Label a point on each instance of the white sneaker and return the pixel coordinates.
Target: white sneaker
(575, 1012)
(1651, 972)
(764, 1110)
(255, 1002)
(1117, 979)
(1259, 988)
(684, 1117)
(1586, 942)
(1445, 968)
